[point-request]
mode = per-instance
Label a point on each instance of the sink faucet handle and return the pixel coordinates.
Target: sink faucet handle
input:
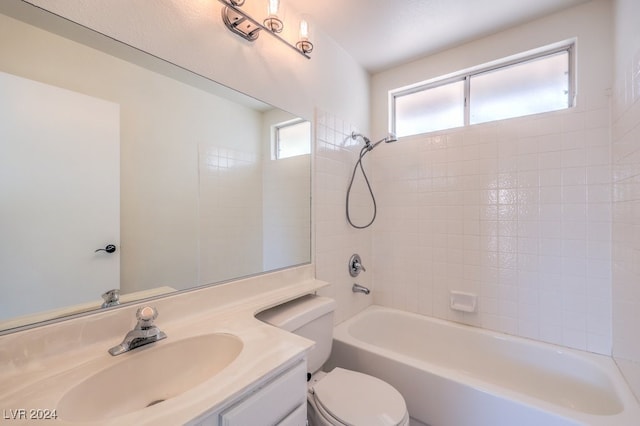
(111, 298)
(146, 315)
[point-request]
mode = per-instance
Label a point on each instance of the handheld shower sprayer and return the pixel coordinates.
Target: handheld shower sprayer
(368, 146)
(367, 143)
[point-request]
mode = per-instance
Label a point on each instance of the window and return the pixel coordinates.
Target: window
(437, 108)
(292, 138)
(530, 85)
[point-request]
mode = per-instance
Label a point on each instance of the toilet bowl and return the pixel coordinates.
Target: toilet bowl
(345, 397)
(339, 397)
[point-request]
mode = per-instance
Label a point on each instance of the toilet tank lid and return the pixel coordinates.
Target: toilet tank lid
(294, 314)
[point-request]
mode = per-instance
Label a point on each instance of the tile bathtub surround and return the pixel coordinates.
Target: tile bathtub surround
(539, 216)
(335, 156)
(626, 191)
(516, 211)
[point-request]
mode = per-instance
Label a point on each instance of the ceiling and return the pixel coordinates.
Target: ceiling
(381, 34)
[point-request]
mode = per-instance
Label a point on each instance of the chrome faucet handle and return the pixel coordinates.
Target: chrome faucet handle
(355, 265)
(145, 316)
(111, 298)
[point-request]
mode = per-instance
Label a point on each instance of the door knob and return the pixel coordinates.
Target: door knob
(109, 249)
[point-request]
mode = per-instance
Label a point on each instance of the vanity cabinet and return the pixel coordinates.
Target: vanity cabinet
(279, 399)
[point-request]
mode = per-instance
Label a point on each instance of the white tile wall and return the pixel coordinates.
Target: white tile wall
(335, 156)
(286, 210)
(230, 192)
(626, 192)
(518, 212)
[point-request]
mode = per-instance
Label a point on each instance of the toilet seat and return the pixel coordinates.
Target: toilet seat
(345, 397)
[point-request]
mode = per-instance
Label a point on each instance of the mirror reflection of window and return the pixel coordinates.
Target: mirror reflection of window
(292, 139)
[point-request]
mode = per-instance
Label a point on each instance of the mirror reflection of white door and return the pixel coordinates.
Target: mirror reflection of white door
(59, 197)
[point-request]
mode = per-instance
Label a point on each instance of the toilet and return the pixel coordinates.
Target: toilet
(339, 397)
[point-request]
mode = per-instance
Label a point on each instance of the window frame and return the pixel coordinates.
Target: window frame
(276, 136)
(568, 46)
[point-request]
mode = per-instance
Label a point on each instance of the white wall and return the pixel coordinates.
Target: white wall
(626, 190)
(517, 211)
(191, 34)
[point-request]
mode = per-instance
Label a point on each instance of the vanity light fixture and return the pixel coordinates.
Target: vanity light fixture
(272, 21)
(304, 45)
(241, 23)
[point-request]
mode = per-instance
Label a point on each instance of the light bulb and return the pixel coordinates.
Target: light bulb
(273, 7)
(304, 45)
(272, 21)
(304, 30)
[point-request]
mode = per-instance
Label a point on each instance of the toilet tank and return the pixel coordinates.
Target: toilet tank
(310, 317)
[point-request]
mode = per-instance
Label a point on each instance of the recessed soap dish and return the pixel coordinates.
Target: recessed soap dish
(462, 301)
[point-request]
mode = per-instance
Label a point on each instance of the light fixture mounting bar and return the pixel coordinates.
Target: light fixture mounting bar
(242, 24)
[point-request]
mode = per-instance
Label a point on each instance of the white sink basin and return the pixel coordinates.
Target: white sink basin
(147, 376)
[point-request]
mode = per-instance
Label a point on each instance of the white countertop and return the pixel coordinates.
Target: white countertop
(36, 369)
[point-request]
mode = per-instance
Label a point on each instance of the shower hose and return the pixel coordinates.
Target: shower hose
(363, 152)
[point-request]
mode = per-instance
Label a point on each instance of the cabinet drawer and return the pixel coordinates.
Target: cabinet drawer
(297, 418)
(273, 402)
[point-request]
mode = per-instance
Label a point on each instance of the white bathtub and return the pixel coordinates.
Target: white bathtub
(456, 375)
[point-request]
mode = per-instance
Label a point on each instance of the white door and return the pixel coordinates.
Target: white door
(59, 197)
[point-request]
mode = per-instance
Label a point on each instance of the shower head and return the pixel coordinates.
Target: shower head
(367, 143)
(388, 139)
(391, 137)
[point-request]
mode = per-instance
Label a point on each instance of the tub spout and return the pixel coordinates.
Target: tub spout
(357, 288)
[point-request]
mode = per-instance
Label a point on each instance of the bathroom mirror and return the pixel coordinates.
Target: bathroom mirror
(191, 182)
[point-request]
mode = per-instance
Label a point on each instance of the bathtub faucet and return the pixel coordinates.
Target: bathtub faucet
(357, 288)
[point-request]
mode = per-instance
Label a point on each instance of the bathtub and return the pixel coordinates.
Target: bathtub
(456, 375)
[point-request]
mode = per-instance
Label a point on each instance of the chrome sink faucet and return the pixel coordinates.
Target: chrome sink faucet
(143, 333)
(111, 298)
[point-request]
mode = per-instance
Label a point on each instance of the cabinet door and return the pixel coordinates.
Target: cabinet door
(272, 403)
